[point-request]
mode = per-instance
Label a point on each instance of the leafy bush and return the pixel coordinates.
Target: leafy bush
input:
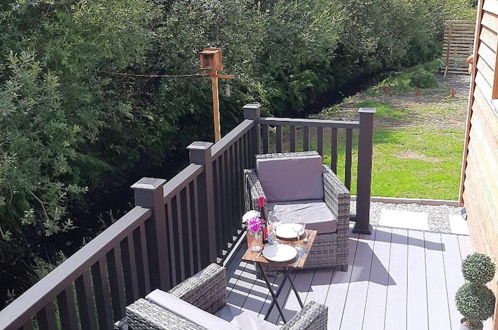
(75, 130)
(476, 302)
(423, 79)
(478, 268)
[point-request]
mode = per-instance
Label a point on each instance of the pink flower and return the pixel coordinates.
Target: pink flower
(254, 224)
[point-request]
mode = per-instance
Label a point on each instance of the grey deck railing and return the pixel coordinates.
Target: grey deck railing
(286, 138)
(176, 228)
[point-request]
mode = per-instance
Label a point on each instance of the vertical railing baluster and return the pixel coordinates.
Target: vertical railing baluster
(265, 132)
(149, 193)
(233, 189)
(29, 325)
(116, 282)
(222, 199)
(85, 300)
(102, 294)
(364, 179)
(200, 154)
(67, 309)
(218, 207)
(142, 235)
(183, 232)
(178, 234)
(129, 271)
(228, 200)
(306, 138)
(333, 150)
(190, 231)
(348, 158)
(171, 239)
(319, 140)
(46, 317)
(278, 138)
(292, 143)
(138, 265)
(239, 177)
(197, 226)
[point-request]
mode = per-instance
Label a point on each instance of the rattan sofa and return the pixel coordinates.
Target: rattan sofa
(330, 248)
(207, 292)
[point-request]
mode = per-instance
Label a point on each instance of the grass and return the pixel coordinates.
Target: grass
(417, 162)
(418, 141)
(383, 110)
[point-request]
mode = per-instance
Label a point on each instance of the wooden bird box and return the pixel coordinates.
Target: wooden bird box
(211, 59)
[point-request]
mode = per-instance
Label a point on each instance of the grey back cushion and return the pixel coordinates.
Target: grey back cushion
(295, 178)
(188, 311)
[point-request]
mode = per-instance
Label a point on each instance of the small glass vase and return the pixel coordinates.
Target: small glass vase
(255, 240)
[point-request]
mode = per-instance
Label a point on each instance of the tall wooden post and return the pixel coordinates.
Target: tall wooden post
(216, 106)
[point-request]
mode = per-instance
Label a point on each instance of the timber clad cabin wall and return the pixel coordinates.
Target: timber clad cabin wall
(480, 185)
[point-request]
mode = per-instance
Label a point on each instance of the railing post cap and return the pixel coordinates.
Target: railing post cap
(254, 105)
(367, 110)
(199, 145)
(148, 184)
(252, 111)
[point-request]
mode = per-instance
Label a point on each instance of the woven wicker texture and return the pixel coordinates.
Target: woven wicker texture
(204, 290)
(143, 314)
(312, 317)
(328, 249)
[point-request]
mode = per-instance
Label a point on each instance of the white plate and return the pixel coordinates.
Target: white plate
(279, 252)
(288, 231)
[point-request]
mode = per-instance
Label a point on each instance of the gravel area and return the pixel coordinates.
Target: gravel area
(438, 216)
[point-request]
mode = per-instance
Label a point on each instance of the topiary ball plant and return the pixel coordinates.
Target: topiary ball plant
(478, 268)
(475, 300)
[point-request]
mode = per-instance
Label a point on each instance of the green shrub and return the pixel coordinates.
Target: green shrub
(478, 268)
(476, 302)
(422, 78)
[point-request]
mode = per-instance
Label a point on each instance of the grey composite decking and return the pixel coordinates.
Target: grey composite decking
(397, 279)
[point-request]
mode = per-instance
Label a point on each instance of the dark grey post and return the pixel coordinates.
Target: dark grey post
(200, 154)
(364, 182)
(149, 194)
(252, 111)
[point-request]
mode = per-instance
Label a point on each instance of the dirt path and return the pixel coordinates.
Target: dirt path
(434, 107)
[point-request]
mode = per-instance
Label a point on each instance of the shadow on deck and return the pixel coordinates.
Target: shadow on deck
(397, 279)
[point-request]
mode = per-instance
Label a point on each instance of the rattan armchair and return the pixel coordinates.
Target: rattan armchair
(329, 249)
(207, 291)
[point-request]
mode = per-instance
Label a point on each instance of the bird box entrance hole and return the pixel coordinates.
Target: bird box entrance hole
(211, 59)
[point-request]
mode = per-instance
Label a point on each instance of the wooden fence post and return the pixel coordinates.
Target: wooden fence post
(364, 183)
(149, 194)
(200, 154)
(252, 111)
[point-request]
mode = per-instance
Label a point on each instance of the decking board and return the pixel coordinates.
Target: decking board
(395, 316)
(396, 279)
(416, 304)
(352, 317)
(375, 307)
(437, 295)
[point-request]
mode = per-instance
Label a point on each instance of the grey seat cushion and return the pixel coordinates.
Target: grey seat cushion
(314, 213)
(188, 311)
(243, 319)
(292, 178)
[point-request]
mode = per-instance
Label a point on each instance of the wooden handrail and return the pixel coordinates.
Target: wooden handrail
(16, 314)
(308, 122)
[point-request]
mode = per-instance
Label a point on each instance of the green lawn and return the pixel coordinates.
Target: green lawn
(418, 142)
